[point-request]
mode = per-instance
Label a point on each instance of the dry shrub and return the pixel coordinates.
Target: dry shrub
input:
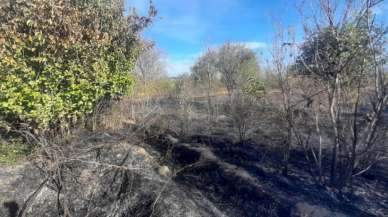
(242, 114)
(126, 113)
(117, 116)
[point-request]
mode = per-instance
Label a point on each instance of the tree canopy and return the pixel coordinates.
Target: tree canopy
(61, 57)
(233, 64)
(344, 51)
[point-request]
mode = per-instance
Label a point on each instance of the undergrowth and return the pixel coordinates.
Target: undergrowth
(13, 151)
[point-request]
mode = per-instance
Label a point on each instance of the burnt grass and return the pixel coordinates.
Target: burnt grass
(241, 179)
(365, 195)
(278, 193)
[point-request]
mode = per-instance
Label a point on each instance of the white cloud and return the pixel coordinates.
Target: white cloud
(179, 67)
(181, 64)
(255, 45)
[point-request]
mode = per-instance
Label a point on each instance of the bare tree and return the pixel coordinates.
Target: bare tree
(283, 56)
(243, 114)
(204, 72)
(151, 64)
(184, 91)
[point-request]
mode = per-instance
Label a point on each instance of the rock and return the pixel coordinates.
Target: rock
(142, 152)
(172, 139)
(139, 191)
(164, 171)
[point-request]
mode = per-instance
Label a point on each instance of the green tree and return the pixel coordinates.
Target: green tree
(59, 58)
(347, 61)
(237, 65)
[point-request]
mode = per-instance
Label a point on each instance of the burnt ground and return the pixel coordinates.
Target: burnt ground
(211, 175)
(219, 176)
(260, 158)
(276, 194)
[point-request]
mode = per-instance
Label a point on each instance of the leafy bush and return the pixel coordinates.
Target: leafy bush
(59, 58)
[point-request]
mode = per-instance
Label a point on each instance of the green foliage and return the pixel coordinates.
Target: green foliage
(254, 87)
(344, 51)
(234, 65)
(12, 152)
(204, 70)
(249, 80)
(237, 64)
(59, 58)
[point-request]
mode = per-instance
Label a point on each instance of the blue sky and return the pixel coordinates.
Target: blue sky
(184, 28)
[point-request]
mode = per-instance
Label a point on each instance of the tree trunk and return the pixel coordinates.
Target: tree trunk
(286, 154)
(333, 99)
(288, 142)
(209, 100)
